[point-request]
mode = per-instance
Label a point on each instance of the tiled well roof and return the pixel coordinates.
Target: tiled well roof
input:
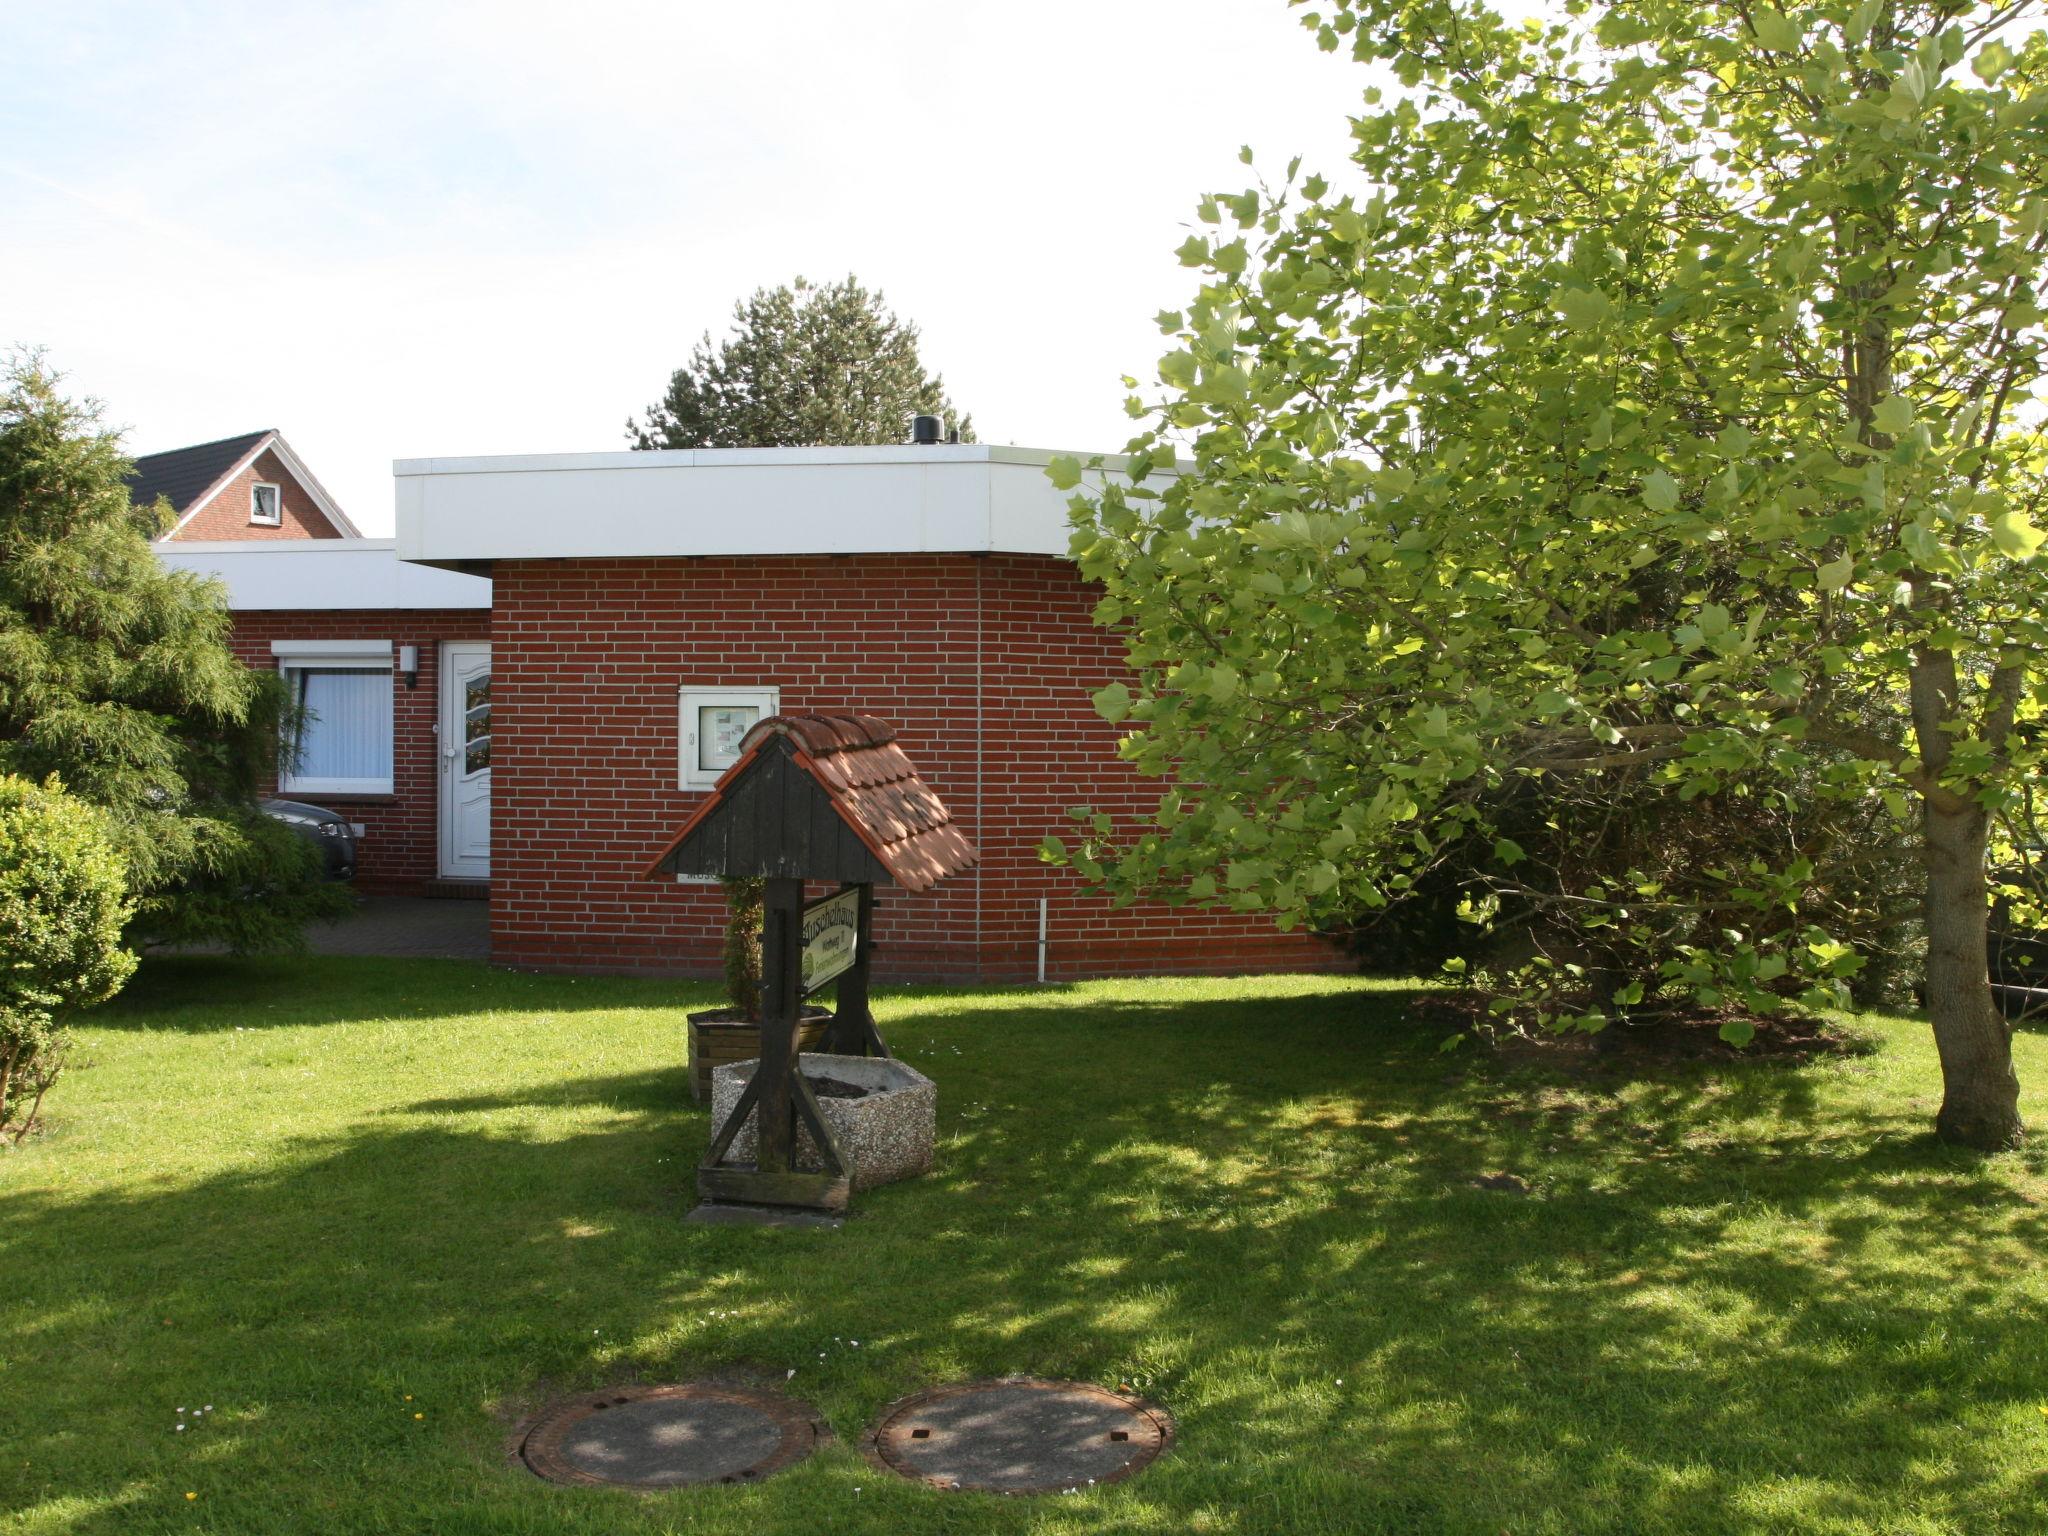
(186, 474)
(867, 780)
(877, 790)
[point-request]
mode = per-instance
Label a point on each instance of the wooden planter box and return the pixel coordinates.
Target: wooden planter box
(715, 1041)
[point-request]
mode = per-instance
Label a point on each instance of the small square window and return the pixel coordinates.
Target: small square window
(714, 721)
(266, 505)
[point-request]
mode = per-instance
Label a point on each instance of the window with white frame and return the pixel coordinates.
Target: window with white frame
(714, 720)
(340, 692)
(266, 504)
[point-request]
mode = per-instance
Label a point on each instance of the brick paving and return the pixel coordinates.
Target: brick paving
(408, 925)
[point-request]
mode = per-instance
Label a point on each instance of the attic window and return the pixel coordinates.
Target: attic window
(266, 505)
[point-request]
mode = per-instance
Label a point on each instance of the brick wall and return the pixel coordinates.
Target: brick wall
(227, 515)
(983, 664)
(399, 851)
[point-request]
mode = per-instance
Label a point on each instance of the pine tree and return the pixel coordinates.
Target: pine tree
(115, 675)
(807, 365)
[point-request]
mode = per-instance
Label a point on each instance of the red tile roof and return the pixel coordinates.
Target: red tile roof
(871, 784)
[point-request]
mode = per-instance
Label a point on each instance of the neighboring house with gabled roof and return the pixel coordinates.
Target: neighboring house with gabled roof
(239, 488)
(380, 655)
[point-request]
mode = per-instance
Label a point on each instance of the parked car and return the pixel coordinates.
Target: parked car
(329, 831)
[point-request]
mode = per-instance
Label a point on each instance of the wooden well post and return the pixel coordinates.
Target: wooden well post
(812, 798)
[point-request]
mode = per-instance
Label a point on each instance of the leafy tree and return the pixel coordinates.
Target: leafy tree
(63, 901)
(1661, 405)
(115, 675)
(807, 364)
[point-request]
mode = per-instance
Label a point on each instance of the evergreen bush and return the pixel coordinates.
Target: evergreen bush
(63, 904)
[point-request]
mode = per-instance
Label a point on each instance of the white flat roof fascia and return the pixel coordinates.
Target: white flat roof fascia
(967, 497)
(314, 574)
(683, 458)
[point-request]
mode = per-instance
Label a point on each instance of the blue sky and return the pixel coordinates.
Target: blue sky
(404, 229)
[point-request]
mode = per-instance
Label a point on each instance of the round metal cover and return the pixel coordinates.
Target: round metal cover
(668, 1437)
(1019, 1436)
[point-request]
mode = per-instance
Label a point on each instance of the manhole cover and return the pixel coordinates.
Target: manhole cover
(1019, 1436)
(665, 1437)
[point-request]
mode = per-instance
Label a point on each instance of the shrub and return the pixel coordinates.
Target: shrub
(63, 901)
(1527, 926)
(743, 897)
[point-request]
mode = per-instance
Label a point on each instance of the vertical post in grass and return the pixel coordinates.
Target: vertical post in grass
(781, 1001)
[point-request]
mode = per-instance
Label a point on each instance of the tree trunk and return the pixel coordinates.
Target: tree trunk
(1980, 1104)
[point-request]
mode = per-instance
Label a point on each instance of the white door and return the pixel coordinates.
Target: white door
(466, 760)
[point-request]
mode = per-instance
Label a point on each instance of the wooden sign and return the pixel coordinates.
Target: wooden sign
(831, 938)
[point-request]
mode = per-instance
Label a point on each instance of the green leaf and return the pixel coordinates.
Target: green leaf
(1177, 370)
(1837, 574)
(1582, 308)
(2015, 535)
(1992, 60)
(1193, 252)
(1660, 491)
(1894, 414)
(1776, 31)
(1738, 1032)
(1113, 703)
(1508, 851)
(1064, 471)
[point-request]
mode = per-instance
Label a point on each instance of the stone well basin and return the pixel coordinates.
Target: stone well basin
(886, 1134)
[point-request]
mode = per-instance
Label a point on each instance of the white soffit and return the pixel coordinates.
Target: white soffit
(314, 574)
(967, 497)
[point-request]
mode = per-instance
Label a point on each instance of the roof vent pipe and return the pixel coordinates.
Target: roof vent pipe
(924, 430)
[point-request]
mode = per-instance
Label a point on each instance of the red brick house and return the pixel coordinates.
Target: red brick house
(648, 607)
(252, 487)
(534, 685)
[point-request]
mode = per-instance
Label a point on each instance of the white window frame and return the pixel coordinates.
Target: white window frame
(346, 655)
(689, 700)
(276, 520)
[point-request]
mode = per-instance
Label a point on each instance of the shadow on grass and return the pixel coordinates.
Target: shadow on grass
(197, 994)
(1262, 1214)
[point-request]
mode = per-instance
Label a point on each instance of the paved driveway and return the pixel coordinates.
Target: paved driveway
(408, 925)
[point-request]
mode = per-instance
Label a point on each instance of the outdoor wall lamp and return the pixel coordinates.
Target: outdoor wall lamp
(409, 664)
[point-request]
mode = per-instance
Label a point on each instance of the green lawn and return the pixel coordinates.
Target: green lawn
(326, 1196)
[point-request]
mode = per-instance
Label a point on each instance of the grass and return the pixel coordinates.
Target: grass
(374, 1211)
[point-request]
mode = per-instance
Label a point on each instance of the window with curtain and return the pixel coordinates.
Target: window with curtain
(344, 739)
